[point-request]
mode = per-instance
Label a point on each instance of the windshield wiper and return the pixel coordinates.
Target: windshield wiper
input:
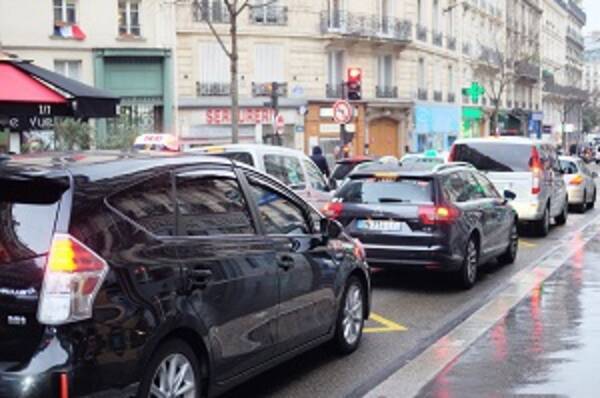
(392, 200)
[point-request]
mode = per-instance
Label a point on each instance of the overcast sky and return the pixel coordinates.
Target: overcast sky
(592, 9)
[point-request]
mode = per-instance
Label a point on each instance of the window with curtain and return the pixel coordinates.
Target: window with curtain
(421, 78)
(385, 69)
(214, 64)
(335, 67)
(129, 18)
(70, 69)
(268, 63)
(65, 11)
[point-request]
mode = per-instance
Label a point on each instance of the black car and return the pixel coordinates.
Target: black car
(344, 166)
(446, 218)
(156, 275)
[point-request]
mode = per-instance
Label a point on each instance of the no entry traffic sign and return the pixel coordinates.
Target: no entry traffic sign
(342, 112)
(279, 124)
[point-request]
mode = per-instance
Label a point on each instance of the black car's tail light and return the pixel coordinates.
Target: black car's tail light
(434, 215)
(333, 210)
(73, 276)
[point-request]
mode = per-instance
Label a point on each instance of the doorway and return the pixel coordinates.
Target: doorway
(383, 138)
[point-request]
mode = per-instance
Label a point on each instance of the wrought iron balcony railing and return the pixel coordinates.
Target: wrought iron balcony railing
(575, 36)
(353, 26)
(269, 15)
(264, 89)
(212, 89)
(577, 12)
(386, 91)
(334, 90)
(214, 11)
(527, 70)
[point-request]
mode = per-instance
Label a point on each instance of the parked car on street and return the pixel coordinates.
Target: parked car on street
(296, 170)
(164, 276)
(580, 183)
(528, 168)
(343, 167)
(448, 219)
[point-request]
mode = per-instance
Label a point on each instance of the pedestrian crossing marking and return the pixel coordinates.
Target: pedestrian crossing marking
(387, 325)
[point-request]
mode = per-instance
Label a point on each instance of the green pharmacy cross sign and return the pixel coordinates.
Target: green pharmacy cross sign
(475, 91)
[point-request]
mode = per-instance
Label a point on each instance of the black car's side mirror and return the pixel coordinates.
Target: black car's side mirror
(331, 229)
(509, 195)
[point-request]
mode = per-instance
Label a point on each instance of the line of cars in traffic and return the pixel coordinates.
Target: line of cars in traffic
(183, 275)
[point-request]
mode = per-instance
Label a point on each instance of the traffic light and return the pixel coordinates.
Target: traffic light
(354, 83)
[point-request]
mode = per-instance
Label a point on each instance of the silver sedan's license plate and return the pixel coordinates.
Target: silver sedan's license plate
(381, 225)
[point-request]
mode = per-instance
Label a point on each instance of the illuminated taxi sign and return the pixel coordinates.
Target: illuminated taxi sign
(166, 142)
(386, 176)
(215, 149)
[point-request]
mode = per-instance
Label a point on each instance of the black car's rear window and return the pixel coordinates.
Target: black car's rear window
(242, 157)
(341, 170)
(375, 190)
(494, 156)
(28, 210)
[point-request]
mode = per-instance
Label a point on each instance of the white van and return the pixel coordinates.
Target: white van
(292, 167)
(528, 168)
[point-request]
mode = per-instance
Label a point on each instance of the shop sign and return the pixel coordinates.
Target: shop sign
(222, 116)
(30, 123)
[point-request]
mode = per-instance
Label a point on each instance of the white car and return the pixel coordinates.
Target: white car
(528, 168)
(292, 167)
(580, 183)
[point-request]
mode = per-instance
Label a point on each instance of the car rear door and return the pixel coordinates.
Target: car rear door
(29, 210)
(306, 269)
(229, 269)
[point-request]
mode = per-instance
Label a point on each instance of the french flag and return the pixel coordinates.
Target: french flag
(70, 32)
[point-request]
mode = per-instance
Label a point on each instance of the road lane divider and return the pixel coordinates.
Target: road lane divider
(384, 325)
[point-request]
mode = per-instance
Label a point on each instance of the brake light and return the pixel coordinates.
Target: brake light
(333, 210)
(535, 165)
(433, 215)
(73, 276)
(577, 180)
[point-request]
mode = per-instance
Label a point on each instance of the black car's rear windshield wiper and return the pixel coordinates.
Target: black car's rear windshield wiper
(392, 200)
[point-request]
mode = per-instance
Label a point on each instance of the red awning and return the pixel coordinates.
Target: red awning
(18, 86)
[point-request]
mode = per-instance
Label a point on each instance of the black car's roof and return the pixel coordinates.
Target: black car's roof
(100, 164)
(424, 170)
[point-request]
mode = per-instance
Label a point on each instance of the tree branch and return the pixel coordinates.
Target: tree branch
(212, 28)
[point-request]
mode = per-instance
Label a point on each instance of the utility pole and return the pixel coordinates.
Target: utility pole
(274, 105)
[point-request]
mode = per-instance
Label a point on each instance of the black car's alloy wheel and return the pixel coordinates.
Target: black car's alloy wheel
(467, 275)
(510, 255)
(351, 318)
(173, 372)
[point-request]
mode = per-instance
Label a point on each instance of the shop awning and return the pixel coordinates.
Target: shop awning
(22, 95)
(86, 101)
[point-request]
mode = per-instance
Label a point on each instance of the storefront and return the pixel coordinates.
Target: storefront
(436, 127)
(207, 121)
(143, 78)
(473, 122)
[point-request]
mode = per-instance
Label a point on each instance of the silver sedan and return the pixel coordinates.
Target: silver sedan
(580, 183)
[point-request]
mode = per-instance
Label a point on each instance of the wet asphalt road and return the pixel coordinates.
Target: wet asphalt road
(548, 345)
(412, 311)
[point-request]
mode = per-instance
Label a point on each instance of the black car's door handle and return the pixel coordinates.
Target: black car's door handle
(199, 278)
(286, 262)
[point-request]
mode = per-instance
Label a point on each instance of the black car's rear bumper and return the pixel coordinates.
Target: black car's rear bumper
(434, 258)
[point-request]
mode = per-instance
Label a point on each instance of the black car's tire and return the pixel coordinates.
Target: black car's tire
(172, 353)
(562, 218)
(510, 255)
(592, 204)
(467, 274)
(542, 227)
(351, 318)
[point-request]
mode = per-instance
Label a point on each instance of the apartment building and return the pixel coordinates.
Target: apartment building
(124, 46)
(592, 63)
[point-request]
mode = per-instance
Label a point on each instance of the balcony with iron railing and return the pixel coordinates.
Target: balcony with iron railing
(527, 70)
(422, 94)
(451, 43)
(347, 25)
(437, 38)
(386, 91)
(466, 49)
(575, 36)
(451, 98)
(269, 15)
(438, 96)
(211, 10)
(334, 90)
(490, 56)
(421, 32)
(204, 89)
(577, 12)
(265, 89)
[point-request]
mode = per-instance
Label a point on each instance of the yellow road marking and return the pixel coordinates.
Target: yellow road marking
(525, 243)
(388, 326)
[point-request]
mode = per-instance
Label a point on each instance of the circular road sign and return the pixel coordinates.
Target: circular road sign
(342, 112)
(280, 123)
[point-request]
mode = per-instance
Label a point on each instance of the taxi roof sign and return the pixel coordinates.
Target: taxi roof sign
(166, 142)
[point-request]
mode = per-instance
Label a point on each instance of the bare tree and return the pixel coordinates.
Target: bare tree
(233, 10)
(510, 58)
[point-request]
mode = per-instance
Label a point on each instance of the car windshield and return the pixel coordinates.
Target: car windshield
(373, 191)
(569, 167)
(494, 156)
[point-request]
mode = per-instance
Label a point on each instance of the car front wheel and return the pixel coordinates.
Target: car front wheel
(173, 371)
(351, 318)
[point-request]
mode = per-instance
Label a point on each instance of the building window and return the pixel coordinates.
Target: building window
(268, 12)
(335, 73)
(64, 12)
(450, 23)
(385, 67)
(436, 15)
(129, 18)
(214, 78)
(212, 10)
(420, 12)
(269, 63)
(421, 79)
(70, 69)
(450, 79)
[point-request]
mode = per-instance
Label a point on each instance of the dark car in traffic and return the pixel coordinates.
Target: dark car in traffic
(344, 166)
(163, 276)
(446, 218)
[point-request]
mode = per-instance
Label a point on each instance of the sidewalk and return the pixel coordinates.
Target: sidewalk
(548, 345)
